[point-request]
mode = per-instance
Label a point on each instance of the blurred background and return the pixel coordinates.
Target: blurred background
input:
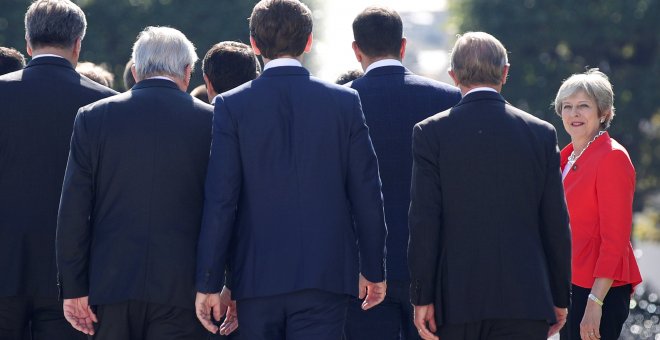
(548, 40)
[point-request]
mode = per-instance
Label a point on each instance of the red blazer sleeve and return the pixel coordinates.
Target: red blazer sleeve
(615, 186)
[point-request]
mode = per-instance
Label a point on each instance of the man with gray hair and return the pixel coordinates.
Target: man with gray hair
(490, 247)
(39, 104)
(131, 203)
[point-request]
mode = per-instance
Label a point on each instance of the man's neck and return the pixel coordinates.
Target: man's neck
(62, 52)
(367, 61)
(299, 58)
(466, 89)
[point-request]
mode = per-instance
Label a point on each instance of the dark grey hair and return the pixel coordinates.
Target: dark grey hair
(163, 51)
(56, 23)
(478, 58)
(597, 86)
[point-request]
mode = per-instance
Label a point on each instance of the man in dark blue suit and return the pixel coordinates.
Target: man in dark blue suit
(39, 104)
(294, 178)
(394, 100)
(131, 204)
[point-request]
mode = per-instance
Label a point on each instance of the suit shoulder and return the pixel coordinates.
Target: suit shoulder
(341, 89)
(11, 76)
(435, 120)
(417, 80)
(530, 119)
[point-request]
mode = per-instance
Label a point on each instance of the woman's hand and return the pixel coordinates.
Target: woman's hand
(590, 325)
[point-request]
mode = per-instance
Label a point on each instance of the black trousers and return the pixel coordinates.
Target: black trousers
(24, 318)
(390, 320)
(497, 329)
(616, 307)
(137, 320)
(302, 315)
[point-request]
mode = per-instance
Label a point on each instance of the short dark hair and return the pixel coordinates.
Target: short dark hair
(348, 77)
(55, 23)
(229, 64)
(378, 31)
(280, 27)
(10, 60)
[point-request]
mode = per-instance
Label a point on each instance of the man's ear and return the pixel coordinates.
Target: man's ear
(357, 51)
(308, 46)
(402, 52)
(255, 48)
(134, 73)
(453, 76)
(28, 47)
(207, 82)
(505, 73)
(77, 47)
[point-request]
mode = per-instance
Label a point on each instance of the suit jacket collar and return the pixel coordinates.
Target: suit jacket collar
(155, 83)
(47, 60)
(481, 95)
(387, 70)
(285, 71)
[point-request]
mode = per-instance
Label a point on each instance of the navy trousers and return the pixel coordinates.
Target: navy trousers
(138, 320)
(302, 315)
(392, 319)
(25, 318)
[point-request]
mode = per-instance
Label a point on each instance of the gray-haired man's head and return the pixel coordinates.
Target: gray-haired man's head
(163, 51)
(54, 23)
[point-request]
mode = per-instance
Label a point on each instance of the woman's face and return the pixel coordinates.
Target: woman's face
(579, 113)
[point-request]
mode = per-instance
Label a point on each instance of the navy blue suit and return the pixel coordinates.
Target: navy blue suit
(294, 177)
(394, 100)
(131, 209)
(39, 104)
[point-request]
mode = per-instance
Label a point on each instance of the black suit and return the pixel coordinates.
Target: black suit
(39, 104)
(132, 199)
(489, 236)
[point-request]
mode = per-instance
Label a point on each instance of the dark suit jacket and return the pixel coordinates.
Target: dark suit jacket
(132, 198)
(394, 100)
(39, 104)
(489, 236)
(291, 168)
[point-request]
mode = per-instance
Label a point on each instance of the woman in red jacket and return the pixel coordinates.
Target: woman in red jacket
(599, 182)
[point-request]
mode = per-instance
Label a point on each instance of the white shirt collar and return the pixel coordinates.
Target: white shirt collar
(383, 62)
(162, 77)
(47, 55)
(282, 62)
(484, 88)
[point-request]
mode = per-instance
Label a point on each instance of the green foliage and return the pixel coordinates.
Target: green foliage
(549, 40)
(114, 25)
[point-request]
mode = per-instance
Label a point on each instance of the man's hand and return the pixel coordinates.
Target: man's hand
(424, 317)
(231, 318)
(372, 293)
(79, 314)
(217, 304)
(560, 314)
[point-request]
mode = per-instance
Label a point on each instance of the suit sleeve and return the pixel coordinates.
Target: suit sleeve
(73, 234)
(221, 194)
(615, 188)
(364, 191)
(555, 232)
(424, 221)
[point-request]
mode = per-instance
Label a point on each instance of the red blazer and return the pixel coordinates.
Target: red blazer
(599, 192)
